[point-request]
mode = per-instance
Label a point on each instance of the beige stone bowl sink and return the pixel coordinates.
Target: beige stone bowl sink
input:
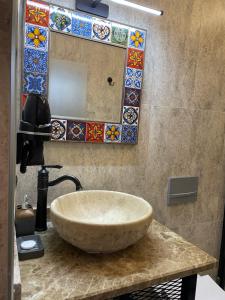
(101, 221)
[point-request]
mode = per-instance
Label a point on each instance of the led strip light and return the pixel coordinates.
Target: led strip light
(140, 7)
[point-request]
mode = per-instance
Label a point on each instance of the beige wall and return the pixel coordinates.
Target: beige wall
(5, 50)
(182, 122)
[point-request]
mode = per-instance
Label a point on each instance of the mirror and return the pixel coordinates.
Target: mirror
(85, 79)
(91, 70)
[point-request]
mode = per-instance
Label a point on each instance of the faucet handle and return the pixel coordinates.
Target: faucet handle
(52, 167)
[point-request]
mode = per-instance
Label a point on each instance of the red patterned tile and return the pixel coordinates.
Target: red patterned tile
(135, 59)
(23, 99)
(37, 13)
(95, 132)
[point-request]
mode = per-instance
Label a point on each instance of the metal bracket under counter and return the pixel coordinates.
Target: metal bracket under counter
(178, 289)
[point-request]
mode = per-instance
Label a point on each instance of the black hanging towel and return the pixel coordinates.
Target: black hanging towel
(35, 128)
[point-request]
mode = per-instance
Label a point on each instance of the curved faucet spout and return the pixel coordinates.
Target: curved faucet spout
(75, 180)
(42, 194)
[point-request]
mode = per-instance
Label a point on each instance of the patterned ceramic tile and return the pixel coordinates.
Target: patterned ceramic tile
(129, 134)
(35, 61)
(35, 83)
(76, 130)
(60, 19)
(95, 132)
(36, 37)
(59, 129)
(82, 25)
(101, 30)
(130, 115)
(133, 78)
(138, 74)
(37, 13)
(135, 59)
(137, 39)
(132, 97)
(119, 34)
(113, 133)
(23, 99)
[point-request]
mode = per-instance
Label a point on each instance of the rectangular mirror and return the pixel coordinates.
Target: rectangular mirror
(80, 74)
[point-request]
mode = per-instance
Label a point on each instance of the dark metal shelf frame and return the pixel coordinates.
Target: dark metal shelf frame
(178, 289)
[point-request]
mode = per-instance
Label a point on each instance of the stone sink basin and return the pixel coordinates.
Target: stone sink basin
(101, 221)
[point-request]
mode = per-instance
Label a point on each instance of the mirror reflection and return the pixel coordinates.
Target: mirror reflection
(85, 79)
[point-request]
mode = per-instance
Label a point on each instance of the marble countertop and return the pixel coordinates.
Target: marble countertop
(65, 272)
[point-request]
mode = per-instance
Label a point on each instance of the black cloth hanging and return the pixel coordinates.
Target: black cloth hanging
(35, 128)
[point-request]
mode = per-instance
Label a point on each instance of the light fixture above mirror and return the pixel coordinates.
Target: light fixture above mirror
(96, 7)
(139, 7)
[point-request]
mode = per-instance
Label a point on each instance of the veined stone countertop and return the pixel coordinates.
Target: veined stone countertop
(65, 272)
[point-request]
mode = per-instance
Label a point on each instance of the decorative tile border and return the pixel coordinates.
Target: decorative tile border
(132, 97)
(95, 132)
(37, 13)
(59, 128)
(36, 37)
(130, 115)
(137, 39)
(82, 25)
(76, 131)
(35, 83)
(119, 34)
(40, 18)
(23, 99)
(60, 19)
(133, 78)
(113, 133)
(129, 134)
(35, 61)
(101, 30)
(135, 59)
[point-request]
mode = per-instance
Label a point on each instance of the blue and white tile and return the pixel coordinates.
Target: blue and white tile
(36, 37)
(129, 134)
(82, 25)
(101, 30)
(59, 129)
(60, 19)
(130, 72)
(35, 61)
(133, 78)
(35, 83)
(137, 84)
(130, 115)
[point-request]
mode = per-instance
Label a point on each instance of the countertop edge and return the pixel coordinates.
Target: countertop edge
(17, 286)
(147, 283)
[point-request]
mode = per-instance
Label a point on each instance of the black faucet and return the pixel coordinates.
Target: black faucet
(42, 193)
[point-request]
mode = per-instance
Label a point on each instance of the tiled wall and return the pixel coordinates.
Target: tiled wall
(182, 122)
(5, 47)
